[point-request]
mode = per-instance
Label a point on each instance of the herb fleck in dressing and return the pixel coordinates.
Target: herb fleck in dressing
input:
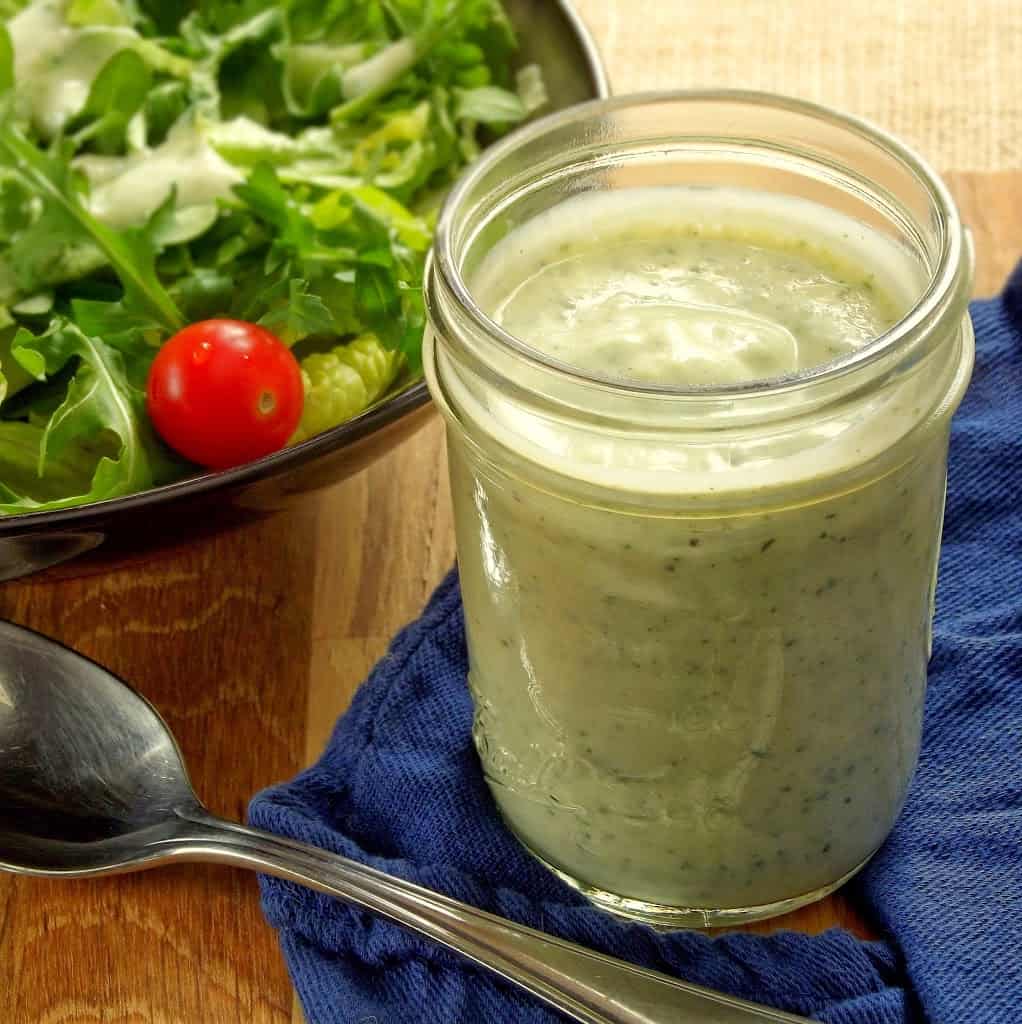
(698, 711)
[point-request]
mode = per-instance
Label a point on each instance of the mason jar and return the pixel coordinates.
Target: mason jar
(699, 618)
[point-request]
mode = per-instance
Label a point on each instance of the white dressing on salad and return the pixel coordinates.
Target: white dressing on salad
(127, 190)
(55, 64)
(385, 65)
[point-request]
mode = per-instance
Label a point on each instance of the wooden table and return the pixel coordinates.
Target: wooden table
(251, 644)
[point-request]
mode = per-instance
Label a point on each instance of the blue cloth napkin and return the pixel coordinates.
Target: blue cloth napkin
(399, 787)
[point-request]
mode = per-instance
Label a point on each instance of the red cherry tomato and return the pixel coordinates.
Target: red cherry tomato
(224, 392)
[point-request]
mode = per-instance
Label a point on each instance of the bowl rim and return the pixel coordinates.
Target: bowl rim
(382, 414)
(385, 412)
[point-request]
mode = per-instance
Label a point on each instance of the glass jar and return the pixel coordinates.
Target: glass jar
(699, 619)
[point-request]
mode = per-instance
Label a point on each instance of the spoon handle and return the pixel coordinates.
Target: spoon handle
(587, 986)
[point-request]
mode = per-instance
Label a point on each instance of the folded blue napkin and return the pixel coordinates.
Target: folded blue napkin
(399, 787)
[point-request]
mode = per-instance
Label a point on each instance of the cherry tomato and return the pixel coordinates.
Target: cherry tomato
(224, 392)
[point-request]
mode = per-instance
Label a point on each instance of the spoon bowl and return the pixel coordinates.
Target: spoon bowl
(87, 763)
(92, 782)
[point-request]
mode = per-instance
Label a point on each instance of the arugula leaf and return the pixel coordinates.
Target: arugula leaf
(362, 226)
(302, 313)
(8, 8)
(164, 105)
(296, 233)
(376, 294)
(339, 210)
(408, 229)
(268, 199)
(96, 12)
(214, 49)
(120, 329)
(6, 60)
(99, 401)
(205, 292)
(117, 93)
(45, 246)
(22, 489)
(13, 376)
(130, 252)
(162, 17)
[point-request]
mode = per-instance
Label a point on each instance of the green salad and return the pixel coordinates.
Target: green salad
(272, 161)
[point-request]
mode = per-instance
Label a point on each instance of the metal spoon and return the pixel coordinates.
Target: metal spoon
(92, 783)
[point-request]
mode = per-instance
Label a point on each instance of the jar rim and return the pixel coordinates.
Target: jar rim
(944, 285)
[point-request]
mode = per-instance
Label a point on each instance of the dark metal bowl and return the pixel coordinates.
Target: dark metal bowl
(553, 36)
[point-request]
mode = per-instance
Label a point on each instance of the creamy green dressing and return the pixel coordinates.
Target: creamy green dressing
(55, 64)
(685, 289)
(671, 304)
(712, 710)
(127, 190)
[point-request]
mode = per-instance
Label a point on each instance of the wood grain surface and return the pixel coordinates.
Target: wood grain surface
(251, 644)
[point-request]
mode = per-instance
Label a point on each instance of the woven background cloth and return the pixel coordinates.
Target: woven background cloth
(944, 75)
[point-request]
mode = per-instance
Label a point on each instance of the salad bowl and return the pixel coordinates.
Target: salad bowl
(552, 36)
